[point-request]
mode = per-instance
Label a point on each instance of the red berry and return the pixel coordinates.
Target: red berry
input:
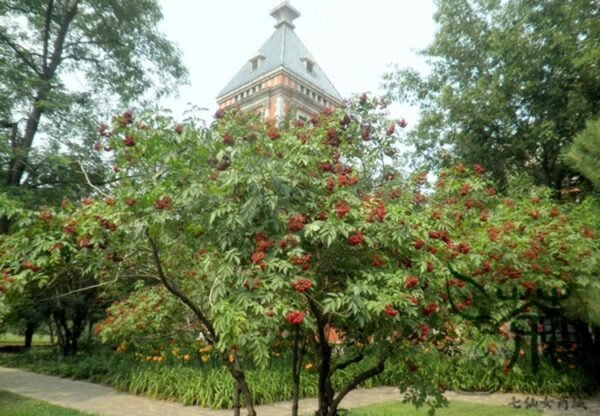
(301, 285)
(295, 317)
(411, 281)
(390, 311)
(355, 239)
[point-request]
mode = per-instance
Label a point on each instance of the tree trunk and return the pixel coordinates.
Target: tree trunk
(535, 355)
(244, 389)
(236, 399)
(29, 331)
(22, 147)
(297, 353)
(4, 224)
(51, 331)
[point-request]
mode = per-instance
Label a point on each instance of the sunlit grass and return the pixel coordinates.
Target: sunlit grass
(8, 338)
(456, 408)
(15, 405)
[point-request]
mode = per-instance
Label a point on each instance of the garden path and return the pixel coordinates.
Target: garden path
(105, 401)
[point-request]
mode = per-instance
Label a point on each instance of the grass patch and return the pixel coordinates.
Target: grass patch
(455, 409)
(15, 405)
(8, 338)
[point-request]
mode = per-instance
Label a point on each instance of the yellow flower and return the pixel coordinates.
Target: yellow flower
(308, 366)
(204, 358)
(208, 348)
(186, 357)
(231, 358)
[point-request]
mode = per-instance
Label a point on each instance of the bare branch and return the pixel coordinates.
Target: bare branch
(87, 179)
(83, 289)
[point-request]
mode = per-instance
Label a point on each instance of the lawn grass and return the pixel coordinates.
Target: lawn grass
(15, 405)
(455, 409)
(8, 338)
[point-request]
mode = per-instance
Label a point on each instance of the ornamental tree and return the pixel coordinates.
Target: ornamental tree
(262, 231)
(310, 229)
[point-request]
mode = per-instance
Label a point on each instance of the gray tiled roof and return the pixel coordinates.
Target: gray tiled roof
(283, 49)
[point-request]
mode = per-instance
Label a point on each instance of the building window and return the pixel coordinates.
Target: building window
(255, 61)
(309, 64)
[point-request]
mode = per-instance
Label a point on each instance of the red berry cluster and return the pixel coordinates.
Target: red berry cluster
(301, 285)
(295, 317)
(296, 223)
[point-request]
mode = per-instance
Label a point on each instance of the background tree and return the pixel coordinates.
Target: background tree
(49, 277)
(509, 86)
(114, 47)
(583, 154)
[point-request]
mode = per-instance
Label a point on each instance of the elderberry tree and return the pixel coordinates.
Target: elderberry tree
(307, 235)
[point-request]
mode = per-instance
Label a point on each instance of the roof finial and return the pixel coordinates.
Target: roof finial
(285, 14)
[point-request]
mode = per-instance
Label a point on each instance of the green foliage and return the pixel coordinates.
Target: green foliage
(510, 85)
(263, 232)
(145, 319)
(210, 385)
(192, 383)
(115, 47)
(583, 154)
(15, 405)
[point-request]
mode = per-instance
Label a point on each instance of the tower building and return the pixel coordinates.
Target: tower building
(282, 77)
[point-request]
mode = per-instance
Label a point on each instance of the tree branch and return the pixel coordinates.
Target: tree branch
(360, 378)
(175, 290)
(344, 364)
(20, 53)
(60, 40)
(87, 179)
(46, 34)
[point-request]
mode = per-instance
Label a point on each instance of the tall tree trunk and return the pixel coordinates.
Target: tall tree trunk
(29, 331)
(21, 148)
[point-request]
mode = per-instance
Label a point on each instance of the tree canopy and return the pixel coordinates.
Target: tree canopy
(64, 61)
(510, 84)
(307, 237)
(584, 154)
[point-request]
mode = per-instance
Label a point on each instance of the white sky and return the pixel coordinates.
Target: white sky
(352, 40)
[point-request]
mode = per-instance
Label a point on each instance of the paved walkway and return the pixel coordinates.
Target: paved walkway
(105, 401)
